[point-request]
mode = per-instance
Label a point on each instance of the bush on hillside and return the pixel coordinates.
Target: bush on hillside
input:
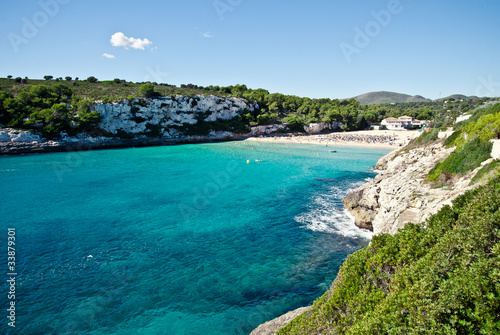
(147, 90)
(463, 160)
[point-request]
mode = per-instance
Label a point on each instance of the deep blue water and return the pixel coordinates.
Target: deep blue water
(192, 239)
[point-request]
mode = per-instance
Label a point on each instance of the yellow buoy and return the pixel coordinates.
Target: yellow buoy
(248, 161)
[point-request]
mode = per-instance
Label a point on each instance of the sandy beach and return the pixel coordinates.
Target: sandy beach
(384, 139)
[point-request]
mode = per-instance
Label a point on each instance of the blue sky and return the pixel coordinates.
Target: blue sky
(319, 49)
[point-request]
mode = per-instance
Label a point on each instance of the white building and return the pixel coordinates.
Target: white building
(403, 122)
(463, 118)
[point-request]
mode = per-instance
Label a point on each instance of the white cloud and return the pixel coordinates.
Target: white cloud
(120, 40)
(108, 55)
(207, 35)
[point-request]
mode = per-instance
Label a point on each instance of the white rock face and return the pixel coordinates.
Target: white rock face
(398, 195)
(167, 114)
(495, 151)
(269, 129)
(12, 135)
(316, 128)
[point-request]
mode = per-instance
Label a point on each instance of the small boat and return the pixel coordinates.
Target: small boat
(333, 150)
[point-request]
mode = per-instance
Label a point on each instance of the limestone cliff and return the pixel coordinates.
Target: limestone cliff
(168, 115)
(399, 195)
(138, 122)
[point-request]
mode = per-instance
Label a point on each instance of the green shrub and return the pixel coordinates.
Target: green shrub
(147, 90)
(489, 170)
(87, 120)
(461, 161)
(425, 138)
(486, 128)
(428, 136)
(450, 140)
(480, 112)
(473, 146)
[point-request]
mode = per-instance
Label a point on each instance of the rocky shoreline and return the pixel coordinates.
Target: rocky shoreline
(18, 142)
(271, 327)
(396, 196)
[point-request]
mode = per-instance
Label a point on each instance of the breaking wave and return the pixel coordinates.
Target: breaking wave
(327, 214)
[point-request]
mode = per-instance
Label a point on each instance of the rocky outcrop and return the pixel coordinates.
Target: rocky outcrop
(271, 327)
(495, 151)
(169, 115)
(18, 136)
(269, 129)
(84, 142)
(316, 128)
(399, 195)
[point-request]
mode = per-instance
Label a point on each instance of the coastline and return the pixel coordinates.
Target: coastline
(24, 148)
(399, 140)
(396, 196)
(377, 139)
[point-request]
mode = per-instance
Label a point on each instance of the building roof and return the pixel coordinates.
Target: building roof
(405, 117)
(391, 119)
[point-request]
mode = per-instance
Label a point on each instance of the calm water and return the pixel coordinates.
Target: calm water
(188, 239)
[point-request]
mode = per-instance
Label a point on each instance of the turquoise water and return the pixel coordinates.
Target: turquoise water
(189, 239)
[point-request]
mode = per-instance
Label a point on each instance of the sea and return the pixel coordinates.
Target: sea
(212, 238)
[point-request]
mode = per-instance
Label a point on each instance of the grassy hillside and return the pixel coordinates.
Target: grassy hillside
(383, 97)
(471, 139)
(110, 90)
(440, 279)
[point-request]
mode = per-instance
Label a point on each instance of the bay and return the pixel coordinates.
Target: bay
(212, 238)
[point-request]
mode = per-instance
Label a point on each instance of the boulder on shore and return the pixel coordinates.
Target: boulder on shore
(399, 195)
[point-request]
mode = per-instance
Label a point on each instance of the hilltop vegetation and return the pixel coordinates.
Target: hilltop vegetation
(441, 278)
(384, 97)
(45, 109)
(377, 98)
(31, 104)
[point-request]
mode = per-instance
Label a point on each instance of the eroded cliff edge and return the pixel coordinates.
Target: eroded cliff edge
(141, 122)
(399, 194)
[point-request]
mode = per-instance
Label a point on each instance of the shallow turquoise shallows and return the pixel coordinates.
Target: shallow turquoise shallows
(190, 239)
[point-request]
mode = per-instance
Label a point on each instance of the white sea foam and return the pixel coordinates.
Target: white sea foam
(326, 214)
